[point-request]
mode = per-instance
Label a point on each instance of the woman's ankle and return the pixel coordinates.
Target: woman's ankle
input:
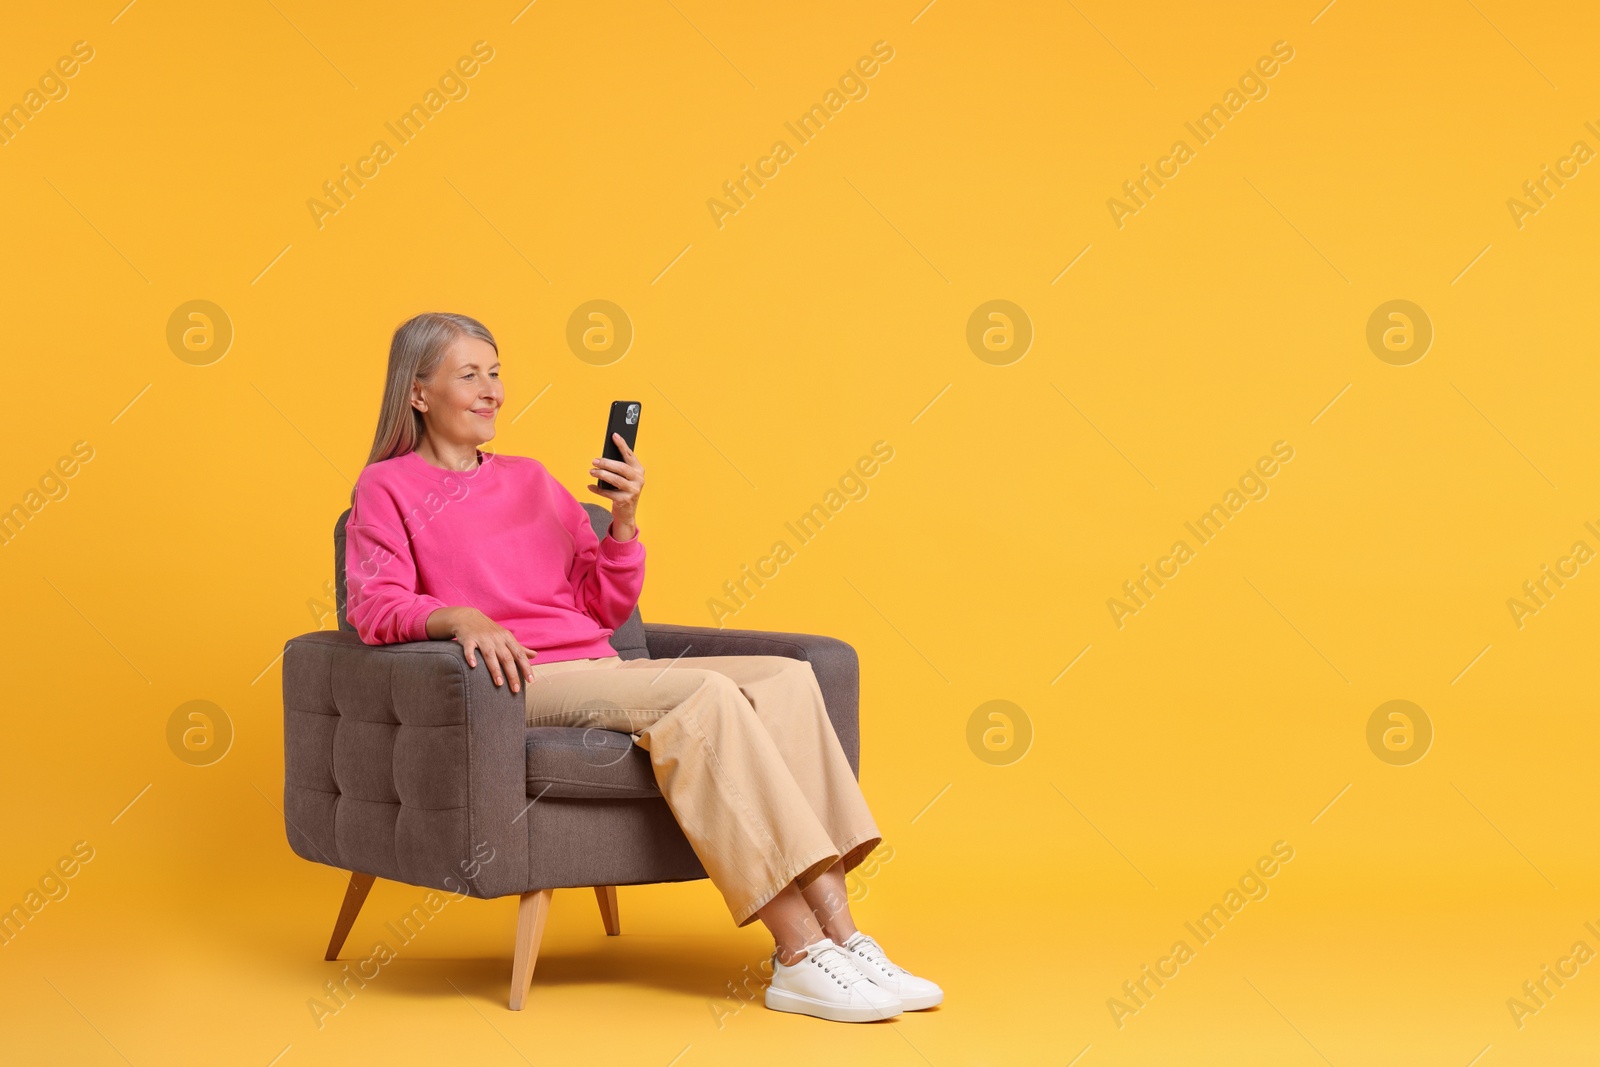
(789, 957)
(792, 925)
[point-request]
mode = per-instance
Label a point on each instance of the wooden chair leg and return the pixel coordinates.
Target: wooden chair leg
(607, 895)
(532, 910)
(354, 896)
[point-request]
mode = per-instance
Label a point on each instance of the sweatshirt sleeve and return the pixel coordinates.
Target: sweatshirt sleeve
(607, 574)
(381, 599)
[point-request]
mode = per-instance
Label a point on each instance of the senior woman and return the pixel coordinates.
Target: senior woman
(448, 542)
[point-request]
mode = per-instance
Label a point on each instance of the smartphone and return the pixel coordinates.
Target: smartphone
(625, 421)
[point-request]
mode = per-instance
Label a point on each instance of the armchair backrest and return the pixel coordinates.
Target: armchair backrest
(628, 639)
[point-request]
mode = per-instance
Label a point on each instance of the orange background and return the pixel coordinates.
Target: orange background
(770, 353)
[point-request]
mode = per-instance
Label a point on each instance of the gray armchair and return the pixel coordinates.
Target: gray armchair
(402, 762)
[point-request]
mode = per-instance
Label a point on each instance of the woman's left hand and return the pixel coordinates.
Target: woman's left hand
(622, 484)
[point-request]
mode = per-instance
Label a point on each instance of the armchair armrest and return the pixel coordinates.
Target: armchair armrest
(402, 762)
(833, 661)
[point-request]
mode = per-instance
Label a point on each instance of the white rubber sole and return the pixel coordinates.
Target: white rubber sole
(800, 1004)
(918, 1003)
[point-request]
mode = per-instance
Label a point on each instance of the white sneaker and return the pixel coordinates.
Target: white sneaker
(828, 985)
(914, 993)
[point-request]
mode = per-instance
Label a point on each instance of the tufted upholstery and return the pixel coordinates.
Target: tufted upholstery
(399, 760)
(402, 762)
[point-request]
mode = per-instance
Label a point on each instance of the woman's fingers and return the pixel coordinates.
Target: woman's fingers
(503, 655)
(524, 671)
(519, 663)
(617, 471)
(508, 660)
(613, 493)
(627, 453)
(628, 481)
(490, 647)
(629, 468)
(516, 664)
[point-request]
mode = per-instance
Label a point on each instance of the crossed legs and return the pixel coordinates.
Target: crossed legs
(798, 917)
(748, 761)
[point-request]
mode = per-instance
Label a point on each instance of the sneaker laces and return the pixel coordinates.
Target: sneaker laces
(837, 964)
(866, 946)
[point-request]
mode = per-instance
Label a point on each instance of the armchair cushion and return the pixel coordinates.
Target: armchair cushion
(579, 762)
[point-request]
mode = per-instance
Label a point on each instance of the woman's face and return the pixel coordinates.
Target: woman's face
(461, 400)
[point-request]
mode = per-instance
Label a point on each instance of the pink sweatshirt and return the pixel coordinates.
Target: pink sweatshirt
(505, 538)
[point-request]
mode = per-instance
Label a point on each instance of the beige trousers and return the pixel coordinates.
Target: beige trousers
(742, 751)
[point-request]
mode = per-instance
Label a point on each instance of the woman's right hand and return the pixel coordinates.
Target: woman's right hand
(502, 652)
